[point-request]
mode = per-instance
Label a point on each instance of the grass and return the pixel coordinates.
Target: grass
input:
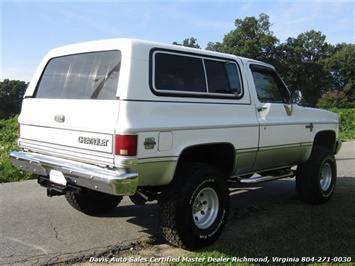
(311, 232)
(347, 123)
(8, 143)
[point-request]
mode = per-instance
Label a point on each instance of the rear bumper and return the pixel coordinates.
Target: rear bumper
(115, 181)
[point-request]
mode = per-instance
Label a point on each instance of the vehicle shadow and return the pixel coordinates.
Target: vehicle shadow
(251, 206)
(144, 216)
(242, 198)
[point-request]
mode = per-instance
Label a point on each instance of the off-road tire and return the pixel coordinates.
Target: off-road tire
(193, 210)
(92, 203)
(316, 178)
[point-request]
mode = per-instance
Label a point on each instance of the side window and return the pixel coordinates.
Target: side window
(222, 77)
(179, 73)
(194, 75)
(234, 78)
(269, 87)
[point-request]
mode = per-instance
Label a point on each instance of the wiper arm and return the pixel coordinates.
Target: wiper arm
(103, 81)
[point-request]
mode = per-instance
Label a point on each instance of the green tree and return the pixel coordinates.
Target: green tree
(217, 46)
(251, 38)
(341, 65)
(11, 94)
(307, 63)
(192, 42)
(301, 61)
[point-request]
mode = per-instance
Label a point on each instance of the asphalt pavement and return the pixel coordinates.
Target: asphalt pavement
(37, 230)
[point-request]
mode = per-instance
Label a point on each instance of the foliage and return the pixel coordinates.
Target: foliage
(192, 42)
(334, 99)
(300, 61)
(251, 38)
(347, 123)
(11, 93)
(307, 62)
(342, 67)
(8, 139)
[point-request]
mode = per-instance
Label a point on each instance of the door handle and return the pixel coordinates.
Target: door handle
(59, 118)
(310, 127)
(260, 109)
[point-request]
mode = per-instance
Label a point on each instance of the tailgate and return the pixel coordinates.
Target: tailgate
(71, 129)
(72, 109)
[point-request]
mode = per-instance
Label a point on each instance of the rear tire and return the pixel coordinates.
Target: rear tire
(316, 178)
(92, 203)
(193, 210)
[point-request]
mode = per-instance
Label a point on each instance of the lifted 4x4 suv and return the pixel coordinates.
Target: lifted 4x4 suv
(110, 118)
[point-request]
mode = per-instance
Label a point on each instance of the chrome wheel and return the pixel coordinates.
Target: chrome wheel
(326, 177)
(205, 208)
(316, 178)
(194, 208)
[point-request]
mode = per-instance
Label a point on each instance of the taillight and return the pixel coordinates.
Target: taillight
(126, 145)
(18, 130)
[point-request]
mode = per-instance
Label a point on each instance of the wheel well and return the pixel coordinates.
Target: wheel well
(221, 155)
(325, 139)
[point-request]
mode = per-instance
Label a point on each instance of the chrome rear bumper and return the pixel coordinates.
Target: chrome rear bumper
(115, 181)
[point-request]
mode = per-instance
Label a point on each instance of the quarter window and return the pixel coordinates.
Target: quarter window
(222, 77)
(188, 74)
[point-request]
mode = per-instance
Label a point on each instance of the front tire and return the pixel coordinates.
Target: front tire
(91, 202)
(316, 178)
(193, 210)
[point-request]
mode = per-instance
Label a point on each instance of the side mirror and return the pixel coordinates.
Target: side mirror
(296, 97)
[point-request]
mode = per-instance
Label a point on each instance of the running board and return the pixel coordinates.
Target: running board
(255, 180)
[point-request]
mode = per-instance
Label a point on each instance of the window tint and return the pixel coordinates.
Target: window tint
(269, 87)
(222, 77)
(81, 76)
(179, 73)
(190, 74)
(234, 78)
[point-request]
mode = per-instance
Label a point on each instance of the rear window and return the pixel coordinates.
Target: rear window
(193, 75)
(81, 76)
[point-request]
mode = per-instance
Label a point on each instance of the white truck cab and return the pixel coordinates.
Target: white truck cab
(105, 119)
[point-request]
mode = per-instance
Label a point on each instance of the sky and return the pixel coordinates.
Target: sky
(30, 29)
